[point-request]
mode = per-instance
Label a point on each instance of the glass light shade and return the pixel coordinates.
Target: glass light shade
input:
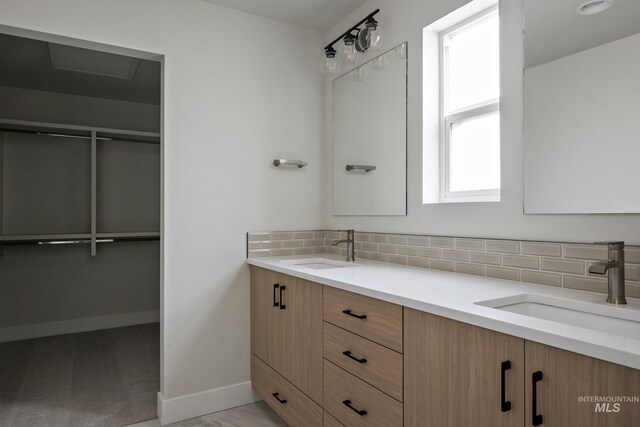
(401, 51)
(374, 38)
(349, 54)
(329, 66)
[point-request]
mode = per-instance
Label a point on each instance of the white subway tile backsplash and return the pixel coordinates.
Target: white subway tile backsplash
(303, 235)
(455, 255)
(430, 252)
(442, 242)
(555, 264)
(476, 269)
(503, 273)
(563, 266)
(398, 259)
(544, 249)
(505, 246)
(408, 250)
(281, 236)
(388, 249)
(541, 278)
(418, 262)
(271, 244)
(379, 238)
(418, 240)
(398, 239)
(521, 261)
(471, 244)
(303, 251)
(588, 252)
(368, 246)
(439, 264)
(485, 258)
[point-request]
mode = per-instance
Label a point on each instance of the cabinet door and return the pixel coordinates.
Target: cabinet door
(300, 356)
(264, 316)
(568, 378)
(454, 374)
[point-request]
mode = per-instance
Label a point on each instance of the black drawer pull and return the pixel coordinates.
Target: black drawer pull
(348, 404)
(275, 288)
(348, 354)
(505, 405)
(358, 316)
(282, 306)
(283, 401)
(536, 419)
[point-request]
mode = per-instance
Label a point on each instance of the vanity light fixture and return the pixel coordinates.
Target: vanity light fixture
(594, 6)
(353, 43)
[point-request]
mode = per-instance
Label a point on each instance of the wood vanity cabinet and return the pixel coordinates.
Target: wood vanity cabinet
(561, 378)
(325, 356)
(286, 335)
(454, 374)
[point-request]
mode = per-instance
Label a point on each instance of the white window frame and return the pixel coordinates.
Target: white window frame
(448, 120)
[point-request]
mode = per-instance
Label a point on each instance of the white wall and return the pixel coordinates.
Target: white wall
(403, 20)
(52, 107)
(239, 91)
(581, 131)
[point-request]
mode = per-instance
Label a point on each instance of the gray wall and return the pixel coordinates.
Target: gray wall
(45, 189)
(35, 105)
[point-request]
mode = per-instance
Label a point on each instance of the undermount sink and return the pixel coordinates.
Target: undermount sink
(317, 263)
(624, 322)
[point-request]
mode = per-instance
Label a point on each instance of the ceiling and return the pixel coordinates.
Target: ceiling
(553, 30)
(27, 63)
(318, 15)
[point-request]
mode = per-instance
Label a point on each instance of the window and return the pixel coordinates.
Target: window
(470, 109)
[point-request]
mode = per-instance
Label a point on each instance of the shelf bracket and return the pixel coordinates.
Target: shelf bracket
(94, 225)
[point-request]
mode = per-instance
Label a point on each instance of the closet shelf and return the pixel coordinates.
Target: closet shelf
(132, 236)
(36, 238)
(30, 238)
(79, 131)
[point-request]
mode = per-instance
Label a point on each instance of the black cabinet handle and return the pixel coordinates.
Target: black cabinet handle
(282, 306)
(359, 316)
(505, 405)
(536, 419)
(275, 288)
(348, 354)
(283, 401)
(348, 404)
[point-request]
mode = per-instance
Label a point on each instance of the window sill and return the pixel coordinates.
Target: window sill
(467, 199)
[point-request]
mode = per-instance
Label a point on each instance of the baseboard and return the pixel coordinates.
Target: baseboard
(37, 330)
(206, 402)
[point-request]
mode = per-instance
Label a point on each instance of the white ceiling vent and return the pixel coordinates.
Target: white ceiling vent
(72, 58)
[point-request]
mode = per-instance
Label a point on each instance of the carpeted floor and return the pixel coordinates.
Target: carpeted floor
(107, 378)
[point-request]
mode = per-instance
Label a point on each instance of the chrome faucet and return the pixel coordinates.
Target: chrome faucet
(615, 268)
(351, 254)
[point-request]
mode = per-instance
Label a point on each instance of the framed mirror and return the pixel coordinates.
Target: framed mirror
(581, 116)
(370, 137)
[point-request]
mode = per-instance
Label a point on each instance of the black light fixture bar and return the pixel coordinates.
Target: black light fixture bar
(329, 47)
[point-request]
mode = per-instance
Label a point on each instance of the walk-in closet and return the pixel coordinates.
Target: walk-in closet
(80, 212)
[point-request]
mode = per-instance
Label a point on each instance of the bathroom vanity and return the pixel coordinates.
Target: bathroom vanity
(369, 344)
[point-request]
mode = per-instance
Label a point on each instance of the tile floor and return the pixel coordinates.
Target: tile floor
(253, 415)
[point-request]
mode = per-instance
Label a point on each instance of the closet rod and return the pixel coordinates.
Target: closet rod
(76, 241)
(73, 136)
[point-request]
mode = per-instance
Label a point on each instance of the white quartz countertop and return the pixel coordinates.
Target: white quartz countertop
(454, 296)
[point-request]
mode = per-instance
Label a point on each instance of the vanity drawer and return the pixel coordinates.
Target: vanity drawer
(377, 365)
(298, 410)
(330, 421)
(345, 395)
(371, 318)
